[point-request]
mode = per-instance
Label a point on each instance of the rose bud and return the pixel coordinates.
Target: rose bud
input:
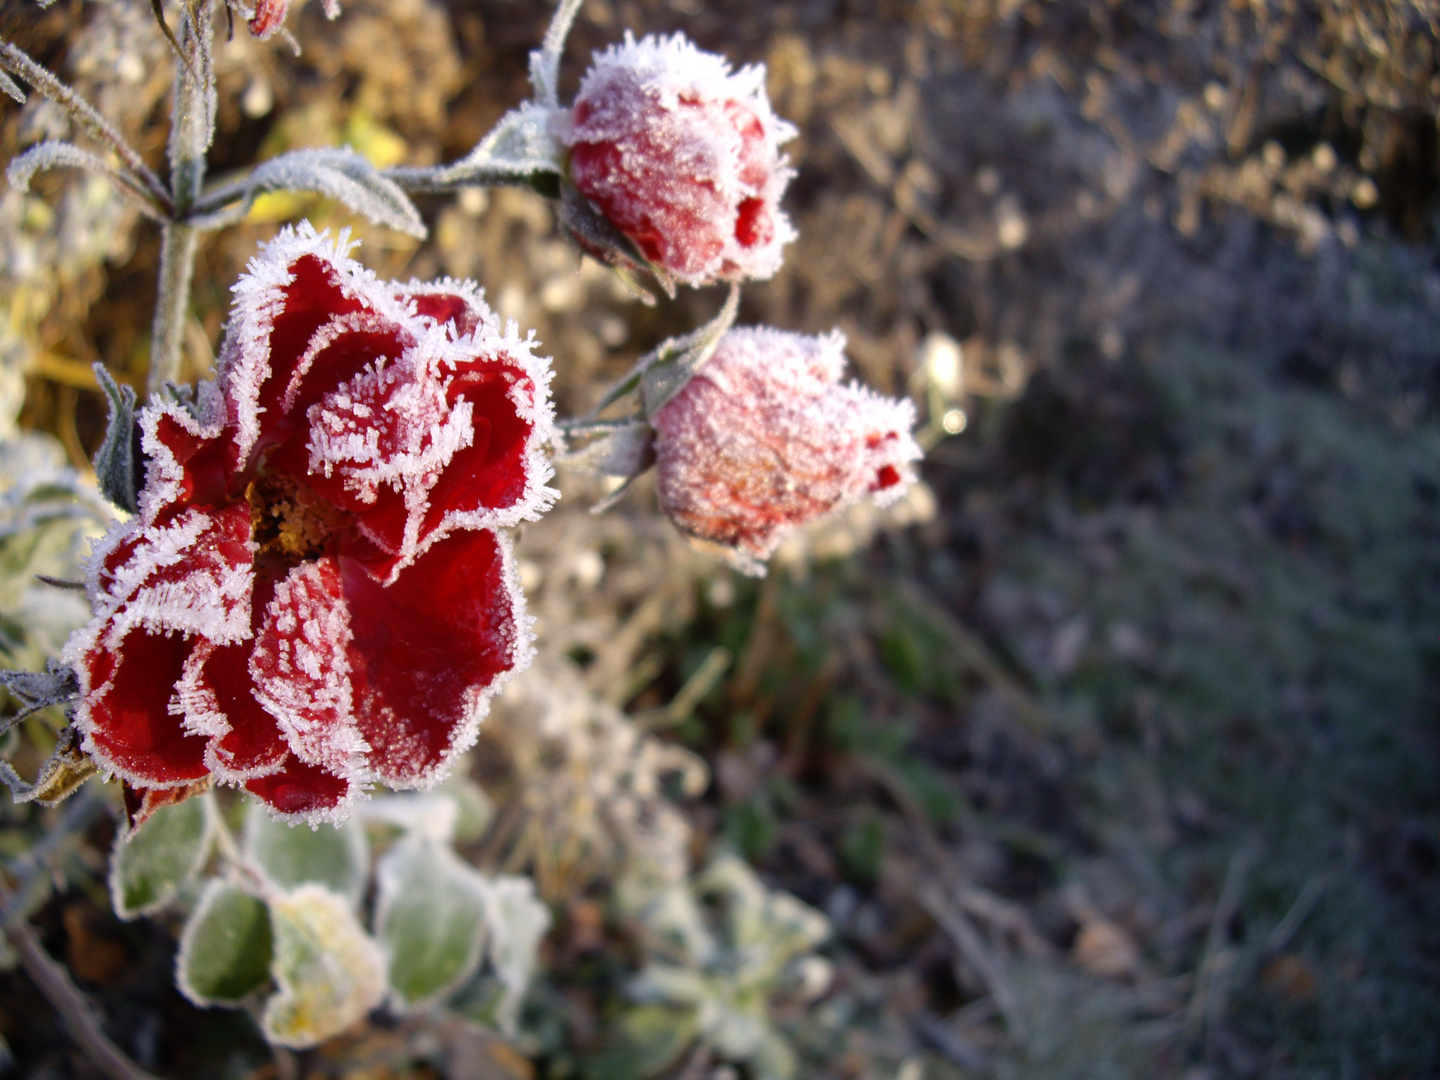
(315, 595)
(682, 157)
(764, 438)
(268, 16)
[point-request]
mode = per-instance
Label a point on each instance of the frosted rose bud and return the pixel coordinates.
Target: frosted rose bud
(268, 16)
(314, 595)
(765, 438)
(682, 156)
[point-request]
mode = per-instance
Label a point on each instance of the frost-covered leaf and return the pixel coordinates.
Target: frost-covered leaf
(520, 143)
(118, 459)
(768, 927)
(226, 947)
(517, 921)
(646, 1041)
(677, 360)
(36, 690)
(475, 810)
(735, 1033)
(773, 1059)
(671, 919)
(431, 815)
(328, 970)
(625, 450)
(671, 985)
(150, 863)
(11, 88)
(339, 174)
(336, 856)
(429, 919)
(64, 770)
(63, 155)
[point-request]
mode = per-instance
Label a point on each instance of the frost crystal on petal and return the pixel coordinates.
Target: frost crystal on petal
(682, 156)
(765, 438)
(313, 595)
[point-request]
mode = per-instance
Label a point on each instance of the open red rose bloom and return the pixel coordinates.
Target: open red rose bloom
(683, 158)
(765, 438)
(314, 596)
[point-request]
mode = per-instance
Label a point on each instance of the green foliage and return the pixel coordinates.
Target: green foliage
(862, 848)
(327, 970)
(718, 968)
(750, 827)
(645, 1041)
(151, 863)
(429, 919)
(226, 947)
(336, 856)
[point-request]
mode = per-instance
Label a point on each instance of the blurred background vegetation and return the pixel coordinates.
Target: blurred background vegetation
(1112, 751)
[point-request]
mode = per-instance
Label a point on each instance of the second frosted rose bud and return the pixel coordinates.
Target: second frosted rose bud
(765, 438)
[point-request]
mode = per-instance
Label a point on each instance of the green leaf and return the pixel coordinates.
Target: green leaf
(476, 811)
(429, 919)
(517, 921)
(226, 947)
(679, 359)
(773, 1059)
(328, 970)
(118, 457)
(336, 856)
(648, 1040)
(150, 863)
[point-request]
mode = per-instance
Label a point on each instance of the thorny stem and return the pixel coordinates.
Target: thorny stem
(50, 977)
(192, 127)
(16, 61)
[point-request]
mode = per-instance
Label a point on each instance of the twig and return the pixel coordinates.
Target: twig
(1208, 997)
(54, 982)
(82, 112)
(983, 905)
(967, 939)
(1304, 903)
(50, 977)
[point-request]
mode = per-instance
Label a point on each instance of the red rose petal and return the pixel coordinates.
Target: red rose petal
(126, 714)
(301, 789)
(252, 746)
(300, 667)
(425, 648)
(492, 472)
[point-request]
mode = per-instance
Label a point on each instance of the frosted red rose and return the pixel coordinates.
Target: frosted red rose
(764, 438)
(313, 596)
(683, 158)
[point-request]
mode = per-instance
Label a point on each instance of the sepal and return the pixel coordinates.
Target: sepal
(117, 462)
(65, 770)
